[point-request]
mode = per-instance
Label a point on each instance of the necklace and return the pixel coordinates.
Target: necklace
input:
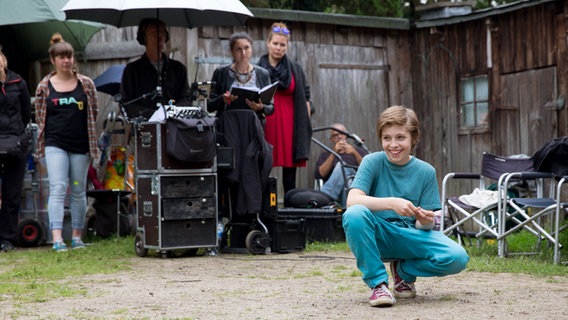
(243, 77)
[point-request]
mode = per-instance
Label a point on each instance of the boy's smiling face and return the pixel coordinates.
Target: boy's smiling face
(397, 143)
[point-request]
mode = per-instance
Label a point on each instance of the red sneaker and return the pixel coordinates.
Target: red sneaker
(382, 297)
(401, 289)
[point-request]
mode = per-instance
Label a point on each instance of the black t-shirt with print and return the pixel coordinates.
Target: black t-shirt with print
(66, 120)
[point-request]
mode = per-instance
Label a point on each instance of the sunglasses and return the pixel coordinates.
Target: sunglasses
(283, 30)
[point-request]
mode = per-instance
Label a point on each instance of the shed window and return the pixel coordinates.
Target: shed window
(474, 104)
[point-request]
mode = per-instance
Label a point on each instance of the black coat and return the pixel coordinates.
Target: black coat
(302, 123)
(15, 105)
(242, 131)
(15, 113)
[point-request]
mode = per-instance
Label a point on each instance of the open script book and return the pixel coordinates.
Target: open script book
(253, 94)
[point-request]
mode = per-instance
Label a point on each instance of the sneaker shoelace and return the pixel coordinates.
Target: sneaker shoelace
(382, 291)
(402, 285)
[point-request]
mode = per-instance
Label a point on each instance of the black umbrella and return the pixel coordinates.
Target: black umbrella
(109, 81)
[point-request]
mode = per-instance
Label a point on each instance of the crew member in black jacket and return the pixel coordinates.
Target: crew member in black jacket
(154, 78)
(15, 111)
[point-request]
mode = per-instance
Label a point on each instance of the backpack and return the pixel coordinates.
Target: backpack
(553, 157)
(307, 198)
(105, 220)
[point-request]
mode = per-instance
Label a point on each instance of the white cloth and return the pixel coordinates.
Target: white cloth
(480, 198)
(158, 116)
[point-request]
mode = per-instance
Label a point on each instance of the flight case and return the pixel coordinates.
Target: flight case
(176, 202)
(321, 224)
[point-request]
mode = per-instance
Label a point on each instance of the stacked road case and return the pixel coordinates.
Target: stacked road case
(176, 202)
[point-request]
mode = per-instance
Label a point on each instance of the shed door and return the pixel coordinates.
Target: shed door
(525, 121)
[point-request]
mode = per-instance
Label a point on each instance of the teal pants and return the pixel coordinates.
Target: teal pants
(421, 253)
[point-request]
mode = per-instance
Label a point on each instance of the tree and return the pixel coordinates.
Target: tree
(379, 8)
(388, 8)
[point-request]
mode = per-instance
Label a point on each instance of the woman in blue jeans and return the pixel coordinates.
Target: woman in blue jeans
(391, 213)
(66, 113)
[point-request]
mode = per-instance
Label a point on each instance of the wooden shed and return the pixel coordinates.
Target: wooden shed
(490, 81)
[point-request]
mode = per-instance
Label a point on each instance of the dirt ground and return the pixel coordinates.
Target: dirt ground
(289, 286)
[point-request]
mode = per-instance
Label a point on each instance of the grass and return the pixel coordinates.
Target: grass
(484, 257)
(37, 274)
(33, 274)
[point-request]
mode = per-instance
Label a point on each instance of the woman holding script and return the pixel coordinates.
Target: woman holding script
(241, 74)
(240, 129)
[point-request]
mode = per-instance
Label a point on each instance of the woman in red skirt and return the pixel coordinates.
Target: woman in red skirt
(289, 129)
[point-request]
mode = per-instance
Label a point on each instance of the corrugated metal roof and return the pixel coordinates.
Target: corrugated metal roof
(481, 14)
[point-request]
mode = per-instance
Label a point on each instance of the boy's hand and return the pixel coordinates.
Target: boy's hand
(403, 207)
(424, 219)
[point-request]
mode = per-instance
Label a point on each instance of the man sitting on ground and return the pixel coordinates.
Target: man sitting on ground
(329, 169)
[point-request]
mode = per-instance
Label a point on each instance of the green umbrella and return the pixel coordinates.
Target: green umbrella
(26, 27)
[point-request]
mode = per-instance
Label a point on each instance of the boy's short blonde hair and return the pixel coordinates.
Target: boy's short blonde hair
(400, 116)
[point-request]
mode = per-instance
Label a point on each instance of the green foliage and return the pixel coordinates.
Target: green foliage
(380, 8)
(484, 257)
(482, 4)
(257, 3)
(377, 8)
(331, 246)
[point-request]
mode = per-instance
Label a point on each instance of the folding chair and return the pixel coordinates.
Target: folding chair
(484, 214)
(560, 205)
(529, 212)
(553, 157)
